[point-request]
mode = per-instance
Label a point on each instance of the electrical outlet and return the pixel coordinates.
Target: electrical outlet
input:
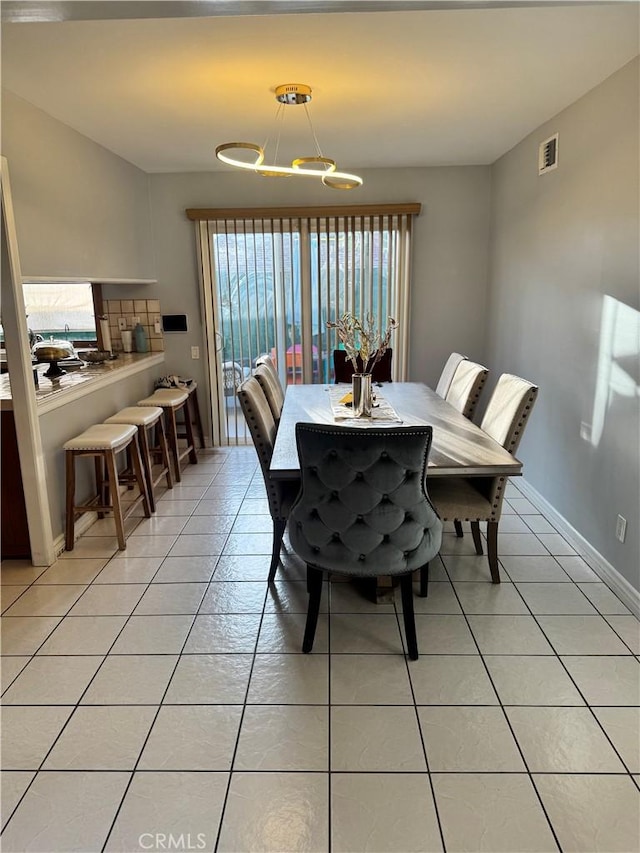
(135, 321)
(621, 528)
(156, 325)
(195, 352)
(122, 323)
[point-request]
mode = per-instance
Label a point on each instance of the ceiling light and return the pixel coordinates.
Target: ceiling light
(317, 166)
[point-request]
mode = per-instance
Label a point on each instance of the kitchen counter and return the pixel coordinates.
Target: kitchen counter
(81, 381)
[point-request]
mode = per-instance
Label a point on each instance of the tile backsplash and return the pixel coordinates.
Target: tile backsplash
(147, 310)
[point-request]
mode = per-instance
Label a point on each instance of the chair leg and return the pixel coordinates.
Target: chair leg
(196, 416)
(492, 550)
(112, 474)
(424, 581)
(71, 498)
(314, 584)
(188, 424)
(172, 433)
(458, 526)
(97, 462)
(406, 589)
(279, 525)
(477, 539)
(147, 464)
(164, 451)
(140, 477)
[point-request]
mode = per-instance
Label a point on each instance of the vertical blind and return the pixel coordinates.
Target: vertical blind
(271, 282)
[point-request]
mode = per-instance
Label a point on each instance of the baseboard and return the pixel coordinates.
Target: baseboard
(602, 567)
(81, 526)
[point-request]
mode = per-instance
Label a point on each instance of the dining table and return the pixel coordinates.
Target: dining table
(459, 447)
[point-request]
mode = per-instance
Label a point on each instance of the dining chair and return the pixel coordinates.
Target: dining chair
(447, 373)
(465, 388)
(265, 360)
(480, 498)
(280, 493)
(270, 384)
(343, 367)
(363, 511)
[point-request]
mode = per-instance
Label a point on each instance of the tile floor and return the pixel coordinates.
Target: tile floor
(158, 697)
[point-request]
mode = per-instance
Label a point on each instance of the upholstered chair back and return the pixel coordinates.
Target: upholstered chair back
(272, 390)
(265, 360)
(343, 367)
(257, 412)
(363, 509)
(504, 420)
(447, 373)
(466, 387)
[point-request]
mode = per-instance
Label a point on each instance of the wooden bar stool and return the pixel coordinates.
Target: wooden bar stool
(104, 442)
(194, 409)
(172, 401)
(146, 418)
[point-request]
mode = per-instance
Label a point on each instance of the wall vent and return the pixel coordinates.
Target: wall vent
(548, 155)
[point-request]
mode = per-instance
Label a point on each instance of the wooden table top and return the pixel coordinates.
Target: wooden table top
(459, 447)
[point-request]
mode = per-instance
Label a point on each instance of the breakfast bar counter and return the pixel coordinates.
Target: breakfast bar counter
(78, 382)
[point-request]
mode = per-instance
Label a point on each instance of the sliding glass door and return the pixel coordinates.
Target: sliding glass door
(271, 285)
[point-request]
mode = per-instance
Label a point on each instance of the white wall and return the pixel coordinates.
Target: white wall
(450, 257)
(565, 250)
(80, 210)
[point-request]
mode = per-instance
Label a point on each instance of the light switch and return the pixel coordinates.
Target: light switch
(156, 325)
(195, 352)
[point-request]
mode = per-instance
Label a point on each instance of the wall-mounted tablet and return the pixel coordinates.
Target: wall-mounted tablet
(174, 322)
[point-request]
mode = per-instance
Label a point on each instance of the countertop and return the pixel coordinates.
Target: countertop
(80, 381)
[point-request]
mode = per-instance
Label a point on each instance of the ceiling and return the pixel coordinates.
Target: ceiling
(436, 86)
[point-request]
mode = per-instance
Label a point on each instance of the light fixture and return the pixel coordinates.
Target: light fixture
(318, 166)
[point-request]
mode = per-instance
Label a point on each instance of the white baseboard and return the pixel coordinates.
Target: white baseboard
(81, 526)
(602, 567)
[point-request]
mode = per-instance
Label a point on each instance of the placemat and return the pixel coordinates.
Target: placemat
(381, 414)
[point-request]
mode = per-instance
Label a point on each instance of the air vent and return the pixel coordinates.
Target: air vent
(548, 155)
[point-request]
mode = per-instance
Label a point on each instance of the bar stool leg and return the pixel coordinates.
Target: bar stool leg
(71, 499)
(142, 484)
(147, 464)
(112, 474)
(164, 449)
(188, 417)
(196, 412)
(172, 430)
(97, 462)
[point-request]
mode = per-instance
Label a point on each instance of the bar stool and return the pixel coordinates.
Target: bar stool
(103, 442)
(194, 408)
(145, 418)
(172, 401)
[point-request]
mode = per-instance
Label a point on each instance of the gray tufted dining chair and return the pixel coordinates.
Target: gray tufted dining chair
(447, 373)
(270, 384)
(265, 360)
(363, 510)
(480, 498)
(280, 493)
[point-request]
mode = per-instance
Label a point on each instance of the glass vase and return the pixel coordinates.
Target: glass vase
(362, 395)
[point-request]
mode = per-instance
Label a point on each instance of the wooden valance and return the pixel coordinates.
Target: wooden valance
(322, 211)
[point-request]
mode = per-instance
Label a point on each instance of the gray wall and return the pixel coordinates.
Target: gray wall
(450, 257)
(80, 210)
(564, 281)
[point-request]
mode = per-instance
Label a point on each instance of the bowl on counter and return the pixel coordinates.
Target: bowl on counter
(95, 356)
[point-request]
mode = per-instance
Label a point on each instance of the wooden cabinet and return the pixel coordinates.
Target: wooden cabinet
(15, 531)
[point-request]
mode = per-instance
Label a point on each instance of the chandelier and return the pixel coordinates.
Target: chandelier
(318, 166)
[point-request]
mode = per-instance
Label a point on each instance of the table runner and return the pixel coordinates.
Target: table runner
(382, 414)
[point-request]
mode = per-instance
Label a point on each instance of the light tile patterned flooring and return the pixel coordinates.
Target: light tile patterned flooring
(160, 694)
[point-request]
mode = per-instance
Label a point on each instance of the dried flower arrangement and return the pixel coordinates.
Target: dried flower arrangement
(363, 339)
